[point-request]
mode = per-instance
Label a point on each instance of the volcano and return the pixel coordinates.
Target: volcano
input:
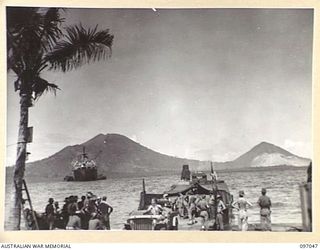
(117, 155)
(265, 155)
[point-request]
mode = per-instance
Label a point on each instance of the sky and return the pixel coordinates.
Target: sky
(205, 84)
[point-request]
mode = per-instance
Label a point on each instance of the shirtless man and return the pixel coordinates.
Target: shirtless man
(242, 204)
(154, 208)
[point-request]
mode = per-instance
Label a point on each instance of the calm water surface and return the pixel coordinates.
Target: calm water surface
(123, 193)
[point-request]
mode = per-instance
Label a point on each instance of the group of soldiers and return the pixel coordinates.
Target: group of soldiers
(209, 207)
(89, 213)
(204, 206)
(190, 206)
(93, 213)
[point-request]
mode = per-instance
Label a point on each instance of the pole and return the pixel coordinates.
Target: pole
(143, 186)
(214, 190)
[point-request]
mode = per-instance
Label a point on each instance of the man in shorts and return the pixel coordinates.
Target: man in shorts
(265, 211)
(220, 208)
(203, 207)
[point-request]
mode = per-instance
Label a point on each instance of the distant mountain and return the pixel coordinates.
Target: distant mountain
(117, 155)
(265, 155)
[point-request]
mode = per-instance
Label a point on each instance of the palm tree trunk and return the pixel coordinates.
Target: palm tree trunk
(21, 160)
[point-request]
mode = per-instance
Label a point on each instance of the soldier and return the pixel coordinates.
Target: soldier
(192, 209)
(105, 210)
(211, 205)
(64, 211)
(180, 205)
(220, 208)
(265, 212)
(50, 213)
(242, 204)
(81, 202)
(202, 206)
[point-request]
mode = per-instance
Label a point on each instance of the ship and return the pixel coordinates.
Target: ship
(84, 169)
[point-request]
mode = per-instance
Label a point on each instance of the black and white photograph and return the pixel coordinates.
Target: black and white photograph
(177, 119)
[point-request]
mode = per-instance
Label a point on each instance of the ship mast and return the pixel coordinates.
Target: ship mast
(84, 155)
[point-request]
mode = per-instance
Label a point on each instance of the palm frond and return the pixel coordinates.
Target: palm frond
(35, 42)
(50, 28)
(30, 33)
(80, 46)
(41, 86)
(22, 35)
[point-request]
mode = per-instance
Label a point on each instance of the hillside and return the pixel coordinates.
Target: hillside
(117, 155)
(265, 155)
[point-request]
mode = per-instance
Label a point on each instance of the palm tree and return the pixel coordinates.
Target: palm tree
(36, 42)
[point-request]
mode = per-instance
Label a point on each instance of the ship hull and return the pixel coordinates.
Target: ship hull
(85, 174)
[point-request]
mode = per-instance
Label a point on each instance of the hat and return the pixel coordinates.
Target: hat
(263, 190)
(89, 194)
(165, 195)
(241, 192)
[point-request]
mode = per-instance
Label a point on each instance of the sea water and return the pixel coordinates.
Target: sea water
(123, 193)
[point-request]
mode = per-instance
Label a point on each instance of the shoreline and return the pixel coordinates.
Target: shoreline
(35, 179)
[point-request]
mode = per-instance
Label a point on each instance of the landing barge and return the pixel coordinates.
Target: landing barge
(199, 185)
